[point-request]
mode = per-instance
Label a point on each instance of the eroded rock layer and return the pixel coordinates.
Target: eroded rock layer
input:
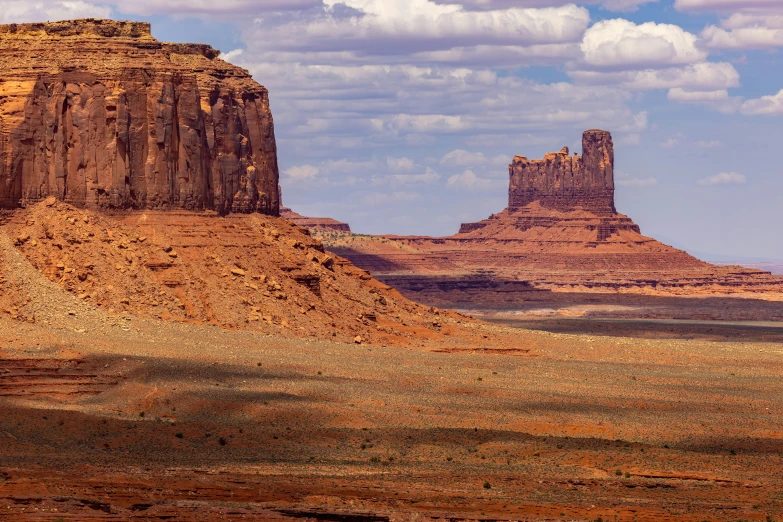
(560, 233)
(100, 114)
(564, 182)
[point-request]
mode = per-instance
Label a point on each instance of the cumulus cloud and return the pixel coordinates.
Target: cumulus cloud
(611, 5)
(468, 180)
(400, 164)
(766, 105)
(709, 144)
(723, 5)
(745, 31)
(622, 44)
(302, 172)
(42, 11)
(380, 27)
(724, 178)
(707, 76)
(719, 100)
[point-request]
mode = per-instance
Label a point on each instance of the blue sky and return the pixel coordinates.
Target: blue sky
(401, 116)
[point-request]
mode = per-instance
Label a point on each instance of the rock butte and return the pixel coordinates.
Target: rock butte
(135, 175)
(560, 232)
(102, 115)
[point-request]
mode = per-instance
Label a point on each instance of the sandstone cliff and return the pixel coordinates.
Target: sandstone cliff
(563, 182)
(100, 114)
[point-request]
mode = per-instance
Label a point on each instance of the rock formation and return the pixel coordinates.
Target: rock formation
(313, 223)
(564, 182)
(560, 233)
(100, 114)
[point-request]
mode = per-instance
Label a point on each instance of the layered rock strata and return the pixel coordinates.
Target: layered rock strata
(563, 182)
(560, 233)
(100, 114)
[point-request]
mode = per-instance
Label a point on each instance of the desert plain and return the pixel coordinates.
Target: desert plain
(138, 419)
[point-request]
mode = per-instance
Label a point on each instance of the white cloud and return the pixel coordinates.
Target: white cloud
(670, 143)
(613, 44)
(400, 164)
(229, 56)
(745, 32)
(463, 158)
(766, 105)
(711, 144)
(302, 172)
(719, 100)
(428, 178)
(723, 5)
(381, 27)
(42, 11)
(468, 180)
(704, 76)
(724, 178)
(611, 5)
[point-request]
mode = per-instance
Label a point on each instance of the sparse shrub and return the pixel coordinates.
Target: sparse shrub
(222, 441)
(619, 473)
(141, 414)
(449, 459)
(180, 435)
(487, 485)
(375, 459)
(391, 459)
(627, 475)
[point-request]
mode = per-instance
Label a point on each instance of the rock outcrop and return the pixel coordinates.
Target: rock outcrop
(101, 115)
(561, 233)
(563, 182)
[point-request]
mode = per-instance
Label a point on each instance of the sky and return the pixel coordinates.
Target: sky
(401, 116)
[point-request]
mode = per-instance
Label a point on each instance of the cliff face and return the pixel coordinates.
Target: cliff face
(563, 182)
(101, 115)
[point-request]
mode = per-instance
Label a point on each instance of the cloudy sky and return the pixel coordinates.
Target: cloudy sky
(401, 116)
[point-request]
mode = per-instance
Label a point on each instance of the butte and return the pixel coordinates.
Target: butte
(139, 177)
(561, 232)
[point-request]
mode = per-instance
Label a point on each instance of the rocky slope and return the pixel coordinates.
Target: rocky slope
(101, 115)
(250, 272)
(561, 232)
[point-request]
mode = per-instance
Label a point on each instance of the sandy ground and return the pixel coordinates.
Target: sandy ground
(145, 420)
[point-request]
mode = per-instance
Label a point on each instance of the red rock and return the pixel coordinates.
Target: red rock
(561, 232)
(99, 114)
(564, 182)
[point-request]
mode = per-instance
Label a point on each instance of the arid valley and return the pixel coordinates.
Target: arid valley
(175, 344)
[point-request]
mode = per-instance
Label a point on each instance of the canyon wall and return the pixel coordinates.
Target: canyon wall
(564, 182)
(101, 115)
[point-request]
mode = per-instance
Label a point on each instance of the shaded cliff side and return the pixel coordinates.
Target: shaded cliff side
(100, 114)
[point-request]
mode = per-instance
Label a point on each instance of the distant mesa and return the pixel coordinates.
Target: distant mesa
(101, 115)
(561, 232)
(313, 223)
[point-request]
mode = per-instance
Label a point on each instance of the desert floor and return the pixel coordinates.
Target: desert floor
(575, 420)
